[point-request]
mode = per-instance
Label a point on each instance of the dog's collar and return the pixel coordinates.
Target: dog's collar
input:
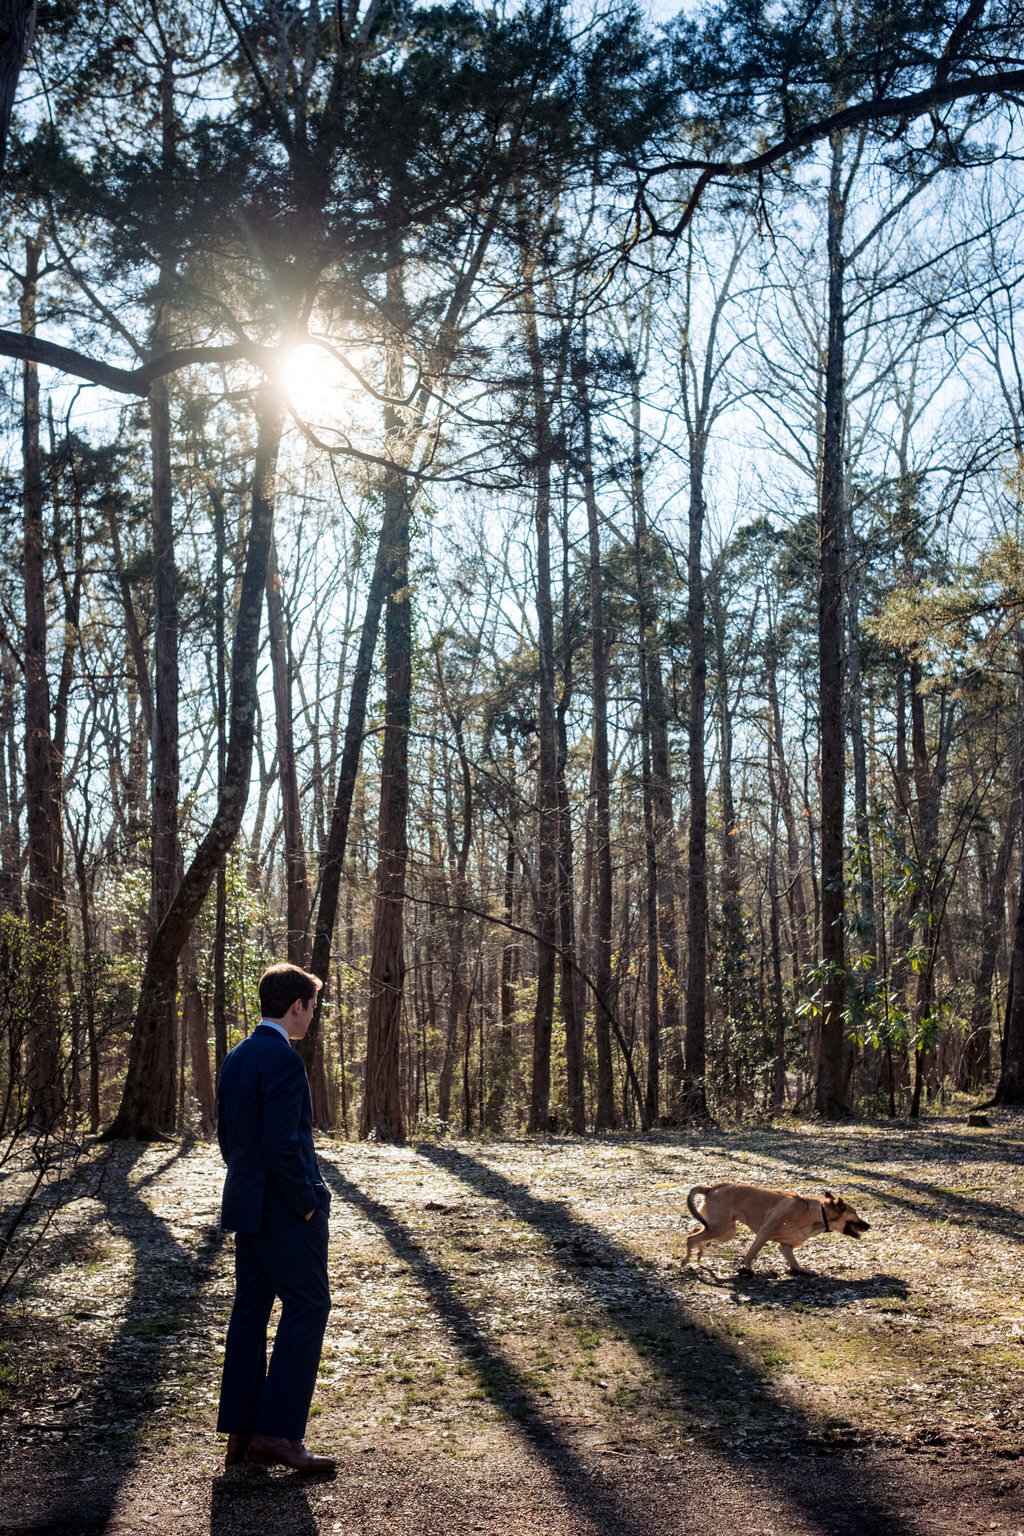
(823, 1216)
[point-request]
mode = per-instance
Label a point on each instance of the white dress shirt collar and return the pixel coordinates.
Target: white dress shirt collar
(273, 1024)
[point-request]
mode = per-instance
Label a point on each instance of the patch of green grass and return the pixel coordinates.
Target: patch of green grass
(492, 1380)
(158, 1326)
(731, 1330)
(416, 1399)
(587, 1338)
(89, 1252)
(1013, 1359)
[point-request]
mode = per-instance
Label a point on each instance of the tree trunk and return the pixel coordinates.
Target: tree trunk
(662, 939)
(605, 1114)
(296, 878)
(830, 1095)
(194, 1021)
(44, 899)
(164, 843)
(10, 838)
(547, 788)
(794, 852)
(332, 857)
(382, 1114)
(138, 1115)
(977, 1063)
(89, 958)
(164, 833)
(858, 752)
(220, 916)
(17, 28)
(729, 841)
(458, 1007)
(1010, 1088)
(571, 997)
(778, 1002)
(297, 945)
(504, 1053)
(44, 895)
(694, 1096)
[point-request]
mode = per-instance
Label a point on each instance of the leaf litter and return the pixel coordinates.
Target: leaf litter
(517, 1345)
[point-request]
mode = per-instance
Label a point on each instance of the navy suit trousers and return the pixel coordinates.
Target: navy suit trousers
(289, 1262)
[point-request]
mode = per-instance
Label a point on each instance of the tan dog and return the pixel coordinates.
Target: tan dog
(773, 1215)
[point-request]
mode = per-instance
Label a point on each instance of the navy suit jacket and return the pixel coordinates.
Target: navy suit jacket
(265, 1130)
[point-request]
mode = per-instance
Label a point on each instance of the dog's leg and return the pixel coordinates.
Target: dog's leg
(720, 1234)
(762, 1236)
(696, 1240)
(794, 1267)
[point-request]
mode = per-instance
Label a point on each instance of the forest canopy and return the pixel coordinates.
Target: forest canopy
(517, 510)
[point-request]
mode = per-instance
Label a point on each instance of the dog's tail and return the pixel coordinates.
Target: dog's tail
(698, 1189)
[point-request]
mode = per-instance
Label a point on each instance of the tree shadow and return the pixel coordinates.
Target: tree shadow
(166, 1294)
(694, 1367)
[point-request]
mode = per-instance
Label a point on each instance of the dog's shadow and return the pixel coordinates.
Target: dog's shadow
(806, 1290)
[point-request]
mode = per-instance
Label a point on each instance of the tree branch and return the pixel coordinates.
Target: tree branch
(129, 381)
(917, 104)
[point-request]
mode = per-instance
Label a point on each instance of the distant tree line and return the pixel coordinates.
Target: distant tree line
(519, 512)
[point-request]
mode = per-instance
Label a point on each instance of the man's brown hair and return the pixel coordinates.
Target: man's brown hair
(282, 985)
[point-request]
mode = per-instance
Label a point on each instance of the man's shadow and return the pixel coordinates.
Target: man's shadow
(245, 1500)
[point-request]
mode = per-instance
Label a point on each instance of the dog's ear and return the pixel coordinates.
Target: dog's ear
(828, 1195)
(840, 1204)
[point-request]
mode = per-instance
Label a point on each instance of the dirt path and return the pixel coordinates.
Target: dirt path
(515, 1347)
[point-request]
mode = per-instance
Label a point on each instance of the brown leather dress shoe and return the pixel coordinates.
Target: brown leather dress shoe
(237, 1447)
(271, 1451)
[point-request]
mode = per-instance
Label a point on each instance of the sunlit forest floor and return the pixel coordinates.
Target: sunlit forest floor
(517, 1346)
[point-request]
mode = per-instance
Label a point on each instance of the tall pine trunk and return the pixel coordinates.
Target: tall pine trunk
(140, 1114)
(830, 1096)
(164, 829)
(547, 765)
(296, 877)
(382, 1114)
(605, 1115)
(695, 1068)
(44, 896)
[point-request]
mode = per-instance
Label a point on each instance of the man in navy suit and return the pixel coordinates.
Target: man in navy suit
(276, 1203)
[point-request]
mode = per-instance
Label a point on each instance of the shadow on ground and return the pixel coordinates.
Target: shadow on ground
(697, 1369)
(249, 1501)
(166, 1294)
(803, 1291)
